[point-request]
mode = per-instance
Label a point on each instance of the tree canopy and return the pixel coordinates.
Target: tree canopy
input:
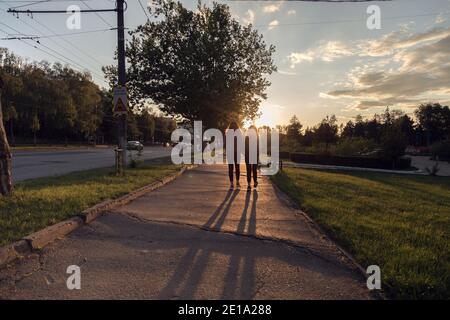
(199, 65)
(434, 119)
(58, 104)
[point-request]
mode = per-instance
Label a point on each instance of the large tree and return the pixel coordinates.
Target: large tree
(434, 120)
(6, 186)
(327, 131)
(294, 129)
(199, 65)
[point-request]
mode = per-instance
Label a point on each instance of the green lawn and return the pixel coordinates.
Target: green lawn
(45, 201)
(48, 147)
(399, 222)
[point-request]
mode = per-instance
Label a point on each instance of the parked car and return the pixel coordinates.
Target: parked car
(135, 145)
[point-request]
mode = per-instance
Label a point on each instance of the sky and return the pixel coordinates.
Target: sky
(328, 60)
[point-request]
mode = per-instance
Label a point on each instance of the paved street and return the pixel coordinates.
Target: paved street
(423, 162)
(193, 239)
(36, 164)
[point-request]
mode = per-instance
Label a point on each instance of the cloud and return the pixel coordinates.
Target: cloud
(326, 51)
(273, 24)
(370, 104)
(249, 17)
(287, 73)
(423, 73)
(298, 57)
(324, 95)
(397, 40)
(400, 68)
(440, 18)
(270, 8)
(387, 45)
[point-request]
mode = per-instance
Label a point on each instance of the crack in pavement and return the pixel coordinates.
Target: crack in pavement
(315, 251)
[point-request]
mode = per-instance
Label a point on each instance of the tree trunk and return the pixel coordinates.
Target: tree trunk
(6, 186)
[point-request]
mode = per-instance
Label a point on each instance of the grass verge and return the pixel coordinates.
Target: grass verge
(41, 202)
(43, 147)
(400, 223)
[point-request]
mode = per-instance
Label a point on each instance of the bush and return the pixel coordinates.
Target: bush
(354, 146)
(285, 155)
(318, 148)
(393, 144)
(351, 161)
(441, 150)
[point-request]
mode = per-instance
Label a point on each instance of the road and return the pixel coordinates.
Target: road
(36, 164)
(193, 239)
(423, 162)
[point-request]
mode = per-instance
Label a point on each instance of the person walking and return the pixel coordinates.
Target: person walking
(235, 166)
(252, 162)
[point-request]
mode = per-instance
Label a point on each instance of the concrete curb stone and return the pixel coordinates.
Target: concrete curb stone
(41, 238)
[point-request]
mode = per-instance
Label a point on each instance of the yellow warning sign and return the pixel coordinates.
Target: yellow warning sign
(120, 106)
(120, 101)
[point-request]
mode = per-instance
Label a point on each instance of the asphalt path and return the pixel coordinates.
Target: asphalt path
(194, 238)
(37, 164)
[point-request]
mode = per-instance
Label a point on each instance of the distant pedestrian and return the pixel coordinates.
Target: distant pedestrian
(252, 163)
(236, 164)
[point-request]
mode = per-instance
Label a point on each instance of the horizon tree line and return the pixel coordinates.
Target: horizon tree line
(392, 129)
(54, 103)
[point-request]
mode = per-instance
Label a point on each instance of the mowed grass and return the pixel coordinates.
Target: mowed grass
(398, 222)
(41, 202)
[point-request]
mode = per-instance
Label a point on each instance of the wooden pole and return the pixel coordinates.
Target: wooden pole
(6, 186)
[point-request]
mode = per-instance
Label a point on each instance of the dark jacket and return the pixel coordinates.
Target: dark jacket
(247, 149)
(235, 148)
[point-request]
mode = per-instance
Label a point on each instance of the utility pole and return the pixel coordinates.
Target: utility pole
(121, 151)
(122, 121)
(6, 185)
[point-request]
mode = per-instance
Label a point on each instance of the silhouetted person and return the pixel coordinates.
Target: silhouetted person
(252, 168)
(234, 126)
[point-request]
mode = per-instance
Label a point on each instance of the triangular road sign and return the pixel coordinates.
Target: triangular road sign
(120, 106)
(120, 101)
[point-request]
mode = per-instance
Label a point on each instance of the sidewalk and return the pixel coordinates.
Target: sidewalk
(419, 162)
(193, 239)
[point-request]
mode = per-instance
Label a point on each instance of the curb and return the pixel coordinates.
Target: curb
(41, 238)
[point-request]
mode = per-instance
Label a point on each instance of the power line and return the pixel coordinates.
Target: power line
(65, 48)
(55, 57)
(29, 4)
(57, 11)
(63, 58)
(68, 42)
(97, 14)
(61, 11)
(347, 21)
(120, 8)
(36, 1)
(145, 11)
(57, 44)
(67, 34)
(73, 61)
(4, 32)
(331, 1)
